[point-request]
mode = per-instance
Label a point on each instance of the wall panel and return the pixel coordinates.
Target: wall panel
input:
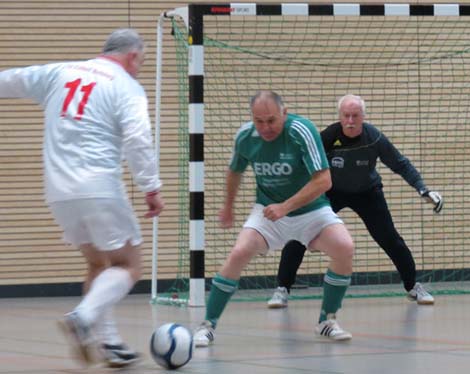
(36, 32)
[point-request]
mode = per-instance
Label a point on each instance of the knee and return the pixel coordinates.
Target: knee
(348, 250)
(96, 267)
(238, 258)
(239, 255)
(345, 253)
(294, 246)
(129, 259)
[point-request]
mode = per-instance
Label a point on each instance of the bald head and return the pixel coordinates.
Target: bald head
(269, 114)
(265, 95)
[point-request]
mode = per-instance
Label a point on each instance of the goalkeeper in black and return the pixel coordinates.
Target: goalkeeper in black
(353, 147)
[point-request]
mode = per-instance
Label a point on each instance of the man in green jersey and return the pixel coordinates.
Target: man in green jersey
(292, 175)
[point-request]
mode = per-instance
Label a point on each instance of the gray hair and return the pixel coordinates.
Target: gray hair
(123, 41)
(355, 98)
(265, 94)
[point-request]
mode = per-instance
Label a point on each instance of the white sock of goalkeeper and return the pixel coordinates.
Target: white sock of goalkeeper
(107, 289)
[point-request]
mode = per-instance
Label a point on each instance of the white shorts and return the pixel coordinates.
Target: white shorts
(108, 224)
(304, 227)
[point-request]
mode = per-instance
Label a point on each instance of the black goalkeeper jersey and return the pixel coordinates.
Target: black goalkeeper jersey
(353, 160)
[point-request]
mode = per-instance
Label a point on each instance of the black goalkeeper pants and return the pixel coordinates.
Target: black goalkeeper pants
(372, 208)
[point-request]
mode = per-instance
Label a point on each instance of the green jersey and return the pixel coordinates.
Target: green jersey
(282, 166)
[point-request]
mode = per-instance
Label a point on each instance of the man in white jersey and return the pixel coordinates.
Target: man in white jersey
(292, 175)
(96, 115)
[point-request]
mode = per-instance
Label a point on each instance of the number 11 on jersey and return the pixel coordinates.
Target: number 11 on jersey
(72, 87)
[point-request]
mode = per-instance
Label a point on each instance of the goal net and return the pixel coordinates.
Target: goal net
(411, 64)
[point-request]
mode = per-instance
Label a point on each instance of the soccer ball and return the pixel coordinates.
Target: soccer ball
(171, 345)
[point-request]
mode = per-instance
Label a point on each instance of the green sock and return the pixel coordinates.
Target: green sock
(221, 291)
(334, 288)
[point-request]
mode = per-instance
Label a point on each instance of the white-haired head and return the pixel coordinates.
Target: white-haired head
(351, 111)
(126, 47)
(351, 97)
(122, 41)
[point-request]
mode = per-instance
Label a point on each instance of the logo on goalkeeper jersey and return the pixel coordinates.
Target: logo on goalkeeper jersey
(337, 162)
(276, 168)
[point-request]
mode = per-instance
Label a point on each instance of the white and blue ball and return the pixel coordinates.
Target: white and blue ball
(171, 345)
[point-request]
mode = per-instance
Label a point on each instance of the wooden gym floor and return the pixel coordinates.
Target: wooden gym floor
(390, 335)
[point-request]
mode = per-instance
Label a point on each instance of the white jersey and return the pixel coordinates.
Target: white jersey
(95, 115)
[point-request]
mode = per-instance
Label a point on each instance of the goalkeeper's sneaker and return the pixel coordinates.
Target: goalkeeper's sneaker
(279, 299)
(118, 355)
(420, 295)
(204, 335)
(330, 329)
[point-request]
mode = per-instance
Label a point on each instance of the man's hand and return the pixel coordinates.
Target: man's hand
(155, 204)
(434, 198)
(274, 211)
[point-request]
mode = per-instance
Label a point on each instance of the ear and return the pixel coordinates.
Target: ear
(131, 56)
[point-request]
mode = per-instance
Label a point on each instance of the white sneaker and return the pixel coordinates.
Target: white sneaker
(330, 329)
(81, 338)
(420, 295)
(204, 335)
(279, 299)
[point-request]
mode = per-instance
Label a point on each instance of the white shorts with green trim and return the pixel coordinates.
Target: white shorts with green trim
(304, 227)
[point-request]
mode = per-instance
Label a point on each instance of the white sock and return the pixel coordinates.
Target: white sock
(107, 330)
(107, 289)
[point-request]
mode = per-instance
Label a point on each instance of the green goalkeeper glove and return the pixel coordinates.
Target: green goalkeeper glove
(432, 197)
